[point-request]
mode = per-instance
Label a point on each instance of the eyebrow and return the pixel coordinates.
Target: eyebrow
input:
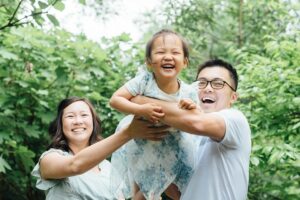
(211, 79)
(72, 112)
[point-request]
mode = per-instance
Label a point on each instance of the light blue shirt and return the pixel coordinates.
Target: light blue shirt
(222, 172)
(86, 186)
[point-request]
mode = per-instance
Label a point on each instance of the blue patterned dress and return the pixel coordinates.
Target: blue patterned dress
(154, 165)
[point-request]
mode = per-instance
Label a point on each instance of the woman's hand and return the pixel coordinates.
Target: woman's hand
(142, 129)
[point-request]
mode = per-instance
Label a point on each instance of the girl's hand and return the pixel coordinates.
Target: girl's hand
(187, 104)
(151, 112)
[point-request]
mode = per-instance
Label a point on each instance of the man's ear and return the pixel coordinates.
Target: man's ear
(234, 97)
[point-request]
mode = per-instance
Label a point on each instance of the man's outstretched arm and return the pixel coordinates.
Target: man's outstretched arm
(192, 121)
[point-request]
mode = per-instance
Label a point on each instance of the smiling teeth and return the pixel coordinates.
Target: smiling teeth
(78, 129)
(208, 100)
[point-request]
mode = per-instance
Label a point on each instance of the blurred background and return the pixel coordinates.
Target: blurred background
(52, 49)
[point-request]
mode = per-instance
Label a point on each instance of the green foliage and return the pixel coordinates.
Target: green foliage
(37, 71)
(270, 98)
(16, 13)
(262, 39)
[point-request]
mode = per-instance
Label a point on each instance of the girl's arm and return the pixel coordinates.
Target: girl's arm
(56, 166)
(120, 100)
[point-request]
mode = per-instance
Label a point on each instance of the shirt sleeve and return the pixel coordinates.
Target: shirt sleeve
(237, 131)
(41, 183)
(136, 86)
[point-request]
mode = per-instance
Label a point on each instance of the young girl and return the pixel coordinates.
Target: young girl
(153, 166)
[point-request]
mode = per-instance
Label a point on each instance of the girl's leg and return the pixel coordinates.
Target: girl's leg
(173, 192)
(137, 194)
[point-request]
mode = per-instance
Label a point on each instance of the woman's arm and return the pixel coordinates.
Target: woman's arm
(192, 121)
(55, 166)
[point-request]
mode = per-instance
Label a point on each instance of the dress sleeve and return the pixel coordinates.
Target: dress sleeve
(41, 183)
(136, 86)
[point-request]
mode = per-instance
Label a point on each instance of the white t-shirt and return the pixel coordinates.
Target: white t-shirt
(222, 172)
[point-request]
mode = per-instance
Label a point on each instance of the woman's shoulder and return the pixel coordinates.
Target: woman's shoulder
(53, 150)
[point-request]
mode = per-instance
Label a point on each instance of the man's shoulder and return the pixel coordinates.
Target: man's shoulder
(233, 113)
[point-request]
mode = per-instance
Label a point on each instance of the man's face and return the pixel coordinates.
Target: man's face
(212, 100)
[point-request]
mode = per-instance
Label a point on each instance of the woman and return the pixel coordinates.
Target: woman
(74, 166)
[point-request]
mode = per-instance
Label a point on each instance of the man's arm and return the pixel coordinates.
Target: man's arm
(192, 121)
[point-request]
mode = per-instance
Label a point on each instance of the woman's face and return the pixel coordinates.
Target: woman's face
(77, 123)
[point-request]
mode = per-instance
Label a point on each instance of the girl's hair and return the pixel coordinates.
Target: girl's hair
(163, 33)
(55, 130)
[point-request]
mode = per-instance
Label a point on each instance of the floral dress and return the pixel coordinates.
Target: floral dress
(154, 165)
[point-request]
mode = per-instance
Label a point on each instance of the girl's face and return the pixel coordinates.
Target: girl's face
(167, 57)
(77, 123)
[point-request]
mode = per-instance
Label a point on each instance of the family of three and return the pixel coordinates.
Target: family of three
(186, 141)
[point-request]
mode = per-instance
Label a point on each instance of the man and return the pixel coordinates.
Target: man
(224, 136)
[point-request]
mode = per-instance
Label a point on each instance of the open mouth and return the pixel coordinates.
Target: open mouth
(208, 100)
(168, 66)
(78, 129)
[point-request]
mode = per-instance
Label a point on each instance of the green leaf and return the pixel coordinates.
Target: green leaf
(296, 126)
(42, 92)
(43, 5)
(82, 2)
(254, 161)
(31, 131)
(44, 103)
(4, 135)
(38, 19)
(26, 157)
(59, 6)
(46, 117)
(94, 96)
(124, 37)
(22, 84)
(53, 20)
(8, 55)
(4, 165)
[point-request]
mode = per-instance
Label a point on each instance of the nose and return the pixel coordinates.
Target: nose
(168, 57)
(78, 120)
(208, 88)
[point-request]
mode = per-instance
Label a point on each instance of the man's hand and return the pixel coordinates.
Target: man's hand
(187, 104)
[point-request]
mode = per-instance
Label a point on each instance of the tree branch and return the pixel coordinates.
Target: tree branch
(15, 12)
(11, 22)
(18, 22)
